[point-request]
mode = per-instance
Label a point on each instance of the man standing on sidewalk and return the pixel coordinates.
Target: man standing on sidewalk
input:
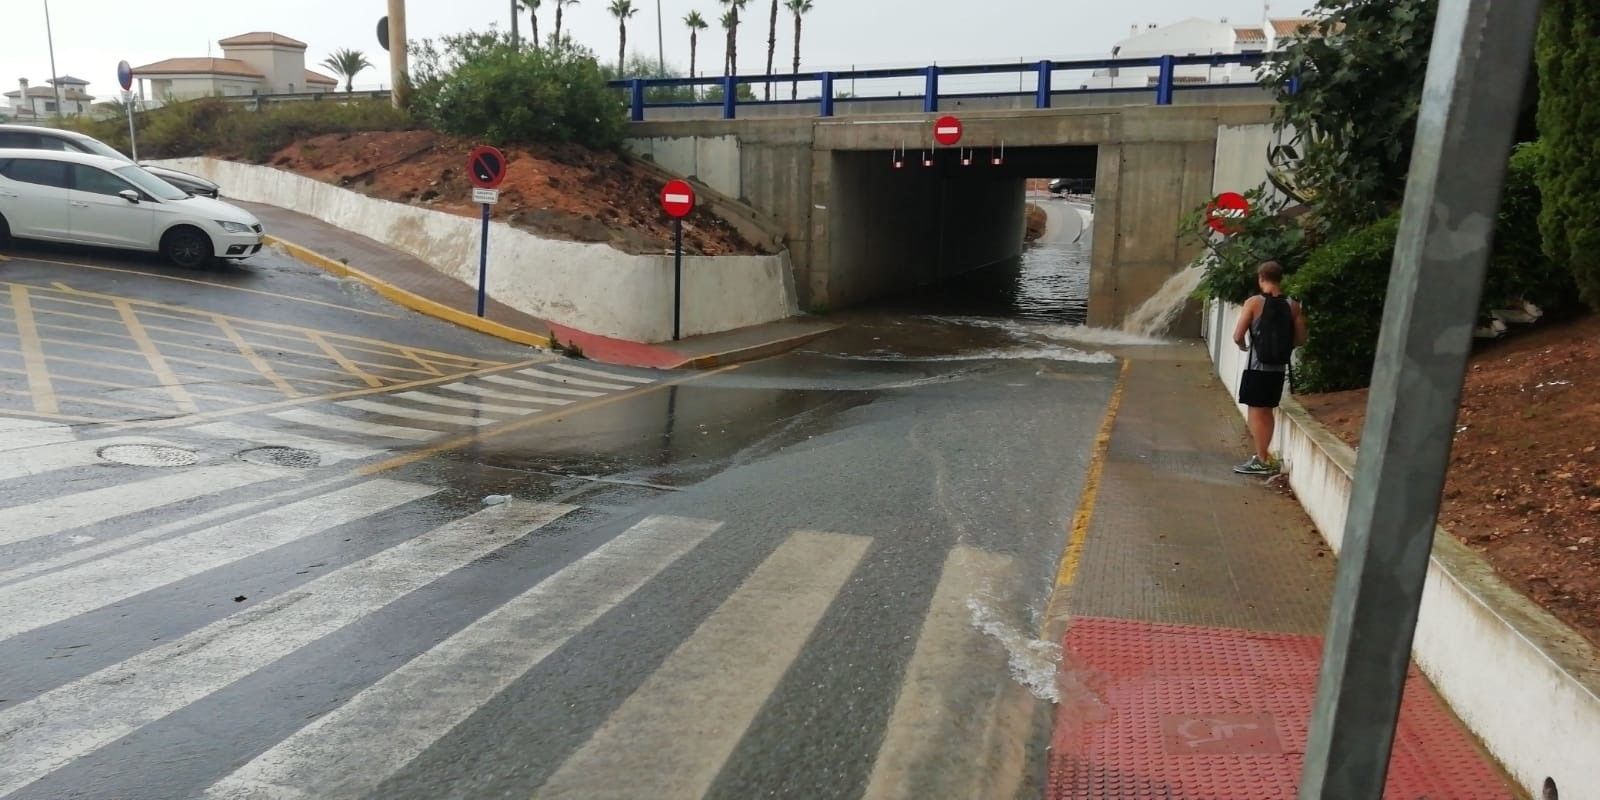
(1276, 327)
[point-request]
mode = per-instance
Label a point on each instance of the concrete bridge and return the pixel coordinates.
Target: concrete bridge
(868, 209)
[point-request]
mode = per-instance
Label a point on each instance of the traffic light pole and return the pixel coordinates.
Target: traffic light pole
(1470, 99)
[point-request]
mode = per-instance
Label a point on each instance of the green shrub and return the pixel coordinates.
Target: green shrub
(1341, 286)
(483, 87)
(1569, 125)
(1266, 235)
(1519, 268)
(212, 126)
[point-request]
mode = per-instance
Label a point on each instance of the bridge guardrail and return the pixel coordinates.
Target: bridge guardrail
(1165, 86)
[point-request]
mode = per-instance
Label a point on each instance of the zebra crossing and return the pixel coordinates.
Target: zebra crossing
(670, 737)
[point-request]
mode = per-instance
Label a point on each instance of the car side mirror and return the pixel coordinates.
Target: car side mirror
(129, 195)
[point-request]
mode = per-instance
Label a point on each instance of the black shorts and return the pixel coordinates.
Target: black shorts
(1261, 389)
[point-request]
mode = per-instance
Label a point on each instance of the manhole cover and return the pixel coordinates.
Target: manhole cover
(281, 457)
(149, 455)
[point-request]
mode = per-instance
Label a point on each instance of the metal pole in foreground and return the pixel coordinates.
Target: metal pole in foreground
(483, 260)
(133, 139)
(50, 37)
(1469, 110)
(677, 278)
(399, 63)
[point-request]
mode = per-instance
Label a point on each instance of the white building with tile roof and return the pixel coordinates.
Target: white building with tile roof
(261, 62)
(1195, 37)
(28, 103)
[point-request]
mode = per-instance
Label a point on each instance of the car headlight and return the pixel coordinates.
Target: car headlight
(234, 227)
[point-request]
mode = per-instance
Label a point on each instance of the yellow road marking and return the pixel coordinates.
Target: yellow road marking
(530, 422)
(158, 363)
(349, 366)
(427, 365)
(95, 401)
(39, 389)
(255, 360)
(213, 285)
(25, 414)
(173, 359)
(1072, 556)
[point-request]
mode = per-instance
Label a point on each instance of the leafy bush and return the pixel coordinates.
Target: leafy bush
(1519, 268)
(1267, 234)
(213, 126)
(1569, 67)
(1341, 286)
(480, 85)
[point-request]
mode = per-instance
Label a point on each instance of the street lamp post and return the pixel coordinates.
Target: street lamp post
(50, 37)
(661, 39)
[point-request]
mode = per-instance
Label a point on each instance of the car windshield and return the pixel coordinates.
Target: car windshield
(100, 148)
(152, 185)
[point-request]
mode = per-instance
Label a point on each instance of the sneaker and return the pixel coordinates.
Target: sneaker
(1256, 466)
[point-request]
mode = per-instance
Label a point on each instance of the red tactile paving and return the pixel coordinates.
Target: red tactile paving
(1178, 712)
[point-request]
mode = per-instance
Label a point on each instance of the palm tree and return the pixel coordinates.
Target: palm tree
(799, 8)
(561, 4)
(622, 10)
(731, 22)
(346, 64)
(772, 48)
(533, 11)
(696, 24)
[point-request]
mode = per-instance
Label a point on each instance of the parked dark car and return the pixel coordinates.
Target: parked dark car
(28, 137)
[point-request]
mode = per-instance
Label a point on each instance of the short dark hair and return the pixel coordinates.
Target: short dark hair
(1270, 271)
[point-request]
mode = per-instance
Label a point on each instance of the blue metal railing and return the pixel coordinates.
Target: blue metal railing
(1165, 87)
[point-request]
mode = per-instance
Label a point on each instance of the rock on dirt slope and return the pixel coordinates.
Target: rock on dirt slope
(560, 191)
(1524, 483)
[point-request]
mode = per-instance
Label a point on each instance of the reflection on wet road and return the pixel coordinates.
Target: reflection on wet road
(817, 576)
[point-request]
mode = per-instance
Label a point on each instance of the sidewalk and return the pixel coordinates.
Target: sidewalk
(1194, 620)
(412, 283)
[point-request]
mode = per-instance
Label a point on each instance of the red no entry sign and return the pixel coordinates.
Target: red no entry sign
(677, 199)
(947, 131)
(486, 166)
(1226, 213)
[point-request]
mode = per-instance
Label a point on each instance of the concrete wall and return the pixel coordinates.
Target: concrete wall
(1154, 165)
(591, 287)
(1524, 683)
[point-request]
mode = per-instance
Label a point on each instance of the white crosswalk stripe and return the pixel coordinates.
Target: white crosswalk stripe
(17, 434)
(351, 750)
(64, 455)
(333, 422)
(332, 452)
(567, 366)
(540, 387)
(469, 405)
(405, 412)
(479, 391)
(49, 731)
(48, 517)
(671, 737)
(60, 595)
(535, 372)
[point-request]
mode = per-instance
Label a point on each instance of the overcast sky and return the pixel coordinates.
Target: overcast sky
(91, 36)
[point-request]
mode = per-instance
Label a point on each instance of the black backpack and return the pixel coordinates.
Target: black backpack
(1273, 336)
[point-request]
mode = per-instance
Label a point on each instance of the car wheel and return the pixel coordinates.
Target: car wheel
(187, 247)
(5, 231)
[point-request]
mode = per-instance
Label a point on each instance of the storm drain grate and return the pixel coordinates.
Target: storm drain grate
(149, 455)
(281, 457)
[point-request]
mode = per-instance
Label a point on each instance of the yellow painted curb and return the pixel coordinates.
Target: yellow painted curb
(411, 300)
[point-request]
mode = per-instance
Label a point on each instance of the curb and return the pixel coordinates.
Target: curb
(411, 300)
(753, 352)
(1521, 680)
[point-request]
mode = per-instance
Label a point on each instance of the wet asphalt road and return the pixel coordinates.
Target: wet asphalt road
(814, 576)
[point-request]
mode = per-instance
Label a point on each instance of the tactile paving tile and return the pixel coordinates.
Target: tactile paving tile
(1187, 712)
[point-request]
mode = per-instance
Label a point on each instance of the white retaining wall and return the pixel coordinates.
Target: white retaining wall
(592, 287)
(1524, 682)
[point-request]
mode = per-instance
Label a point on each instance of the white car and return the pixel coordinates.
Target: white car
(81, 198)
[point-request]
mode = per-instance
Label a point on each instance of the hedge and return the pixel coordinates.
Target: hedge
(1569, 124)
(1341, 286)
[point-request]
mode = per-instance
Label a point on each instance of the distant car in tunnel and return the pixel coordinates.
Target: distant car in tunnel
(1071, 186)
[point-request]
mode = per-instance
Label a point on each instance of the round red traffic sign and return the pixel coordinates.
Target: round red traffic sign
(947, 131)
(486, 167)
(677, 199)
(1226, 213)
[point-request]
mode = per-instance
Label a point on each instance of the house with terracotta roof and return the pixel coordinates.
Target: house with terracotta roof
(252, 63)
(27, 103)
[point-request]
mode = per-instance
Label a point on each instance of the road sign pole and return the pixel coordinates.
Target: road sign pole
(677, 278)
(483, 261)
(133, 138)
(1468, 115)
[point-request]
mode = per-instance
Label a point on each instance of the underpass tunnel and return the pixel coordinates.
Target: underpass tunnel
(899, 221)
